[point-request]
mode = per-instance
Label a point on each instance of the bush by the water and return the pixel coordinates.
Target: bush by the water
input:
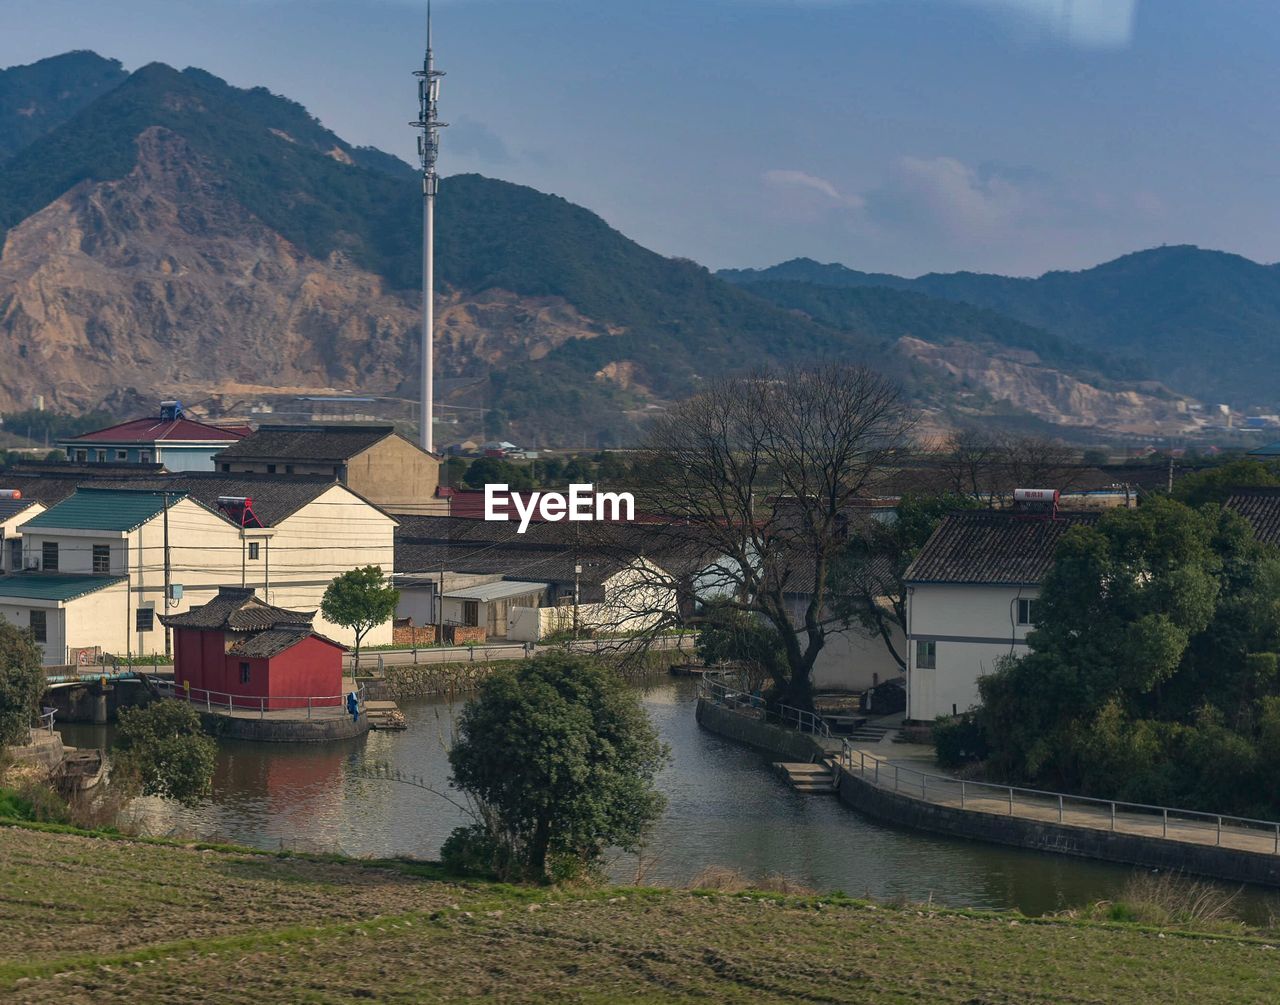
(161, 750)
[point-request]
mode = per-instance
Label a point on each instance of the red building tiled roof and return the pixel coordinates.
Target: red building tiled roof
(149, 430)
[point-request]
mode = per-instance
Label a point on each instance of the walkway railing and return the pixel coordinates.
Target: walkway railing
(716, 688)
(1140, 819)
(315, 706)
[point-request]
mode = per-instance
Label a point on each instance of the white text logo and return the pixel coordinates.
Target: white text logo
(581, 503)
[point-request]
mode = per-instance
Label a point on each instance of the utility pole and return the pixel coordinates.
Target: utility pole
(428, 151)
(164, 606)
(577, 577)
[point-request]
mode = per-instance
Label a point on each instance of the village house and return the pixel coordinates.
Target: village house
(971, 599)
(172, 438)
(97, 573)
(14, 511)
(242, 652)
(372, 460)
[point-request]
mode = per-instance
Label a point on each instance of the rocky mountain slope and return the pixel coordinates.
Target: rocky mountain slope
(1176, 308)
(180, 236)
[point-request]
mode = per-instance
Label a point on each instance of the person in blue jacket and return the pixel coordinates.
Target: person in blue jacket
(353, 706)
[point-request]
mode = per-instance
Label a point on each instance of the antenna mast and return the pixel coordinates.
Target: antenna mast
(428, 151)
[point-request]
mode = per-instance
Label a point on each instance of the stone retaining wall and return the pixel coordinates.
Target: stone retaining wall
(426, 680)
(777, 741)
(284, 730)
(1229, 864)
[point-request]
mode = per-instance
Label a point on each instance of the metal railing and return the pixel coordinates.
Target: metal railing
(715, 688)
(1101, 814)
(316, 706)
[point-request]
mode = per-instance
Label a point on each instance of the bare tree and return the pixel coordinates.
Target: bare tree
(988, 466)
(759, 475)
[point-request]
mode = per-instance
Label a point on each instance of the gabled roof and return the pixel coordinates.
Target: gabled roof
(152, 430)
(275, 497)
(236, 609)
(1261, 507)
(53, 586)
(332, 443)
(102, 509)
(981, 547)
(9, 508)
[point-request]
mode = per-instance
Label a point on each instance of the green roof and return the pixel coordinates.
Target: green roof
(101, 509)
(53, 586)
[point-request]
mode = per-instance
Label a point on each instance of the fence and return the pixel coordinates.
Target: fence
(715, 688)
(1061, 807)
(315, 706)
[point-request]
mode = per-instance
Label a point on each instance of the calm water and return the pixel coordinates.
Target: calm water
(725, 807)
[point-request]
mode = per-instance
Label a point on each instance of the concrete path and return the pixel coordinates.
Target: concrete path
(902, 774)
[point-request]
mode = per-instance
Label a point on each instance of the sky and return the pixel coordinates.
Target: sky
(905, 136)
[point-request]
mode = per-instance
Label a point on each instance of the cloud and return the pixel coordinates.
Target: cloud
(1094, 24)
(471, 138)
(803, 182)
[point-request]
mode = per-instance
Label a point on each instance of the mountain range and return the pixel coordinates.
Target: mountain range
(165, 233)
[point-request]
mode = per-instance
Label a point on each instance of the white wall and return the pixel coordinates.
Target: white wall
(972, 627)
(852, 660)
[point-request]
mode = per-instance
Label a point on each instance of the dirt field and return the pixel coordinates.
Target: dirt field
(94, 920)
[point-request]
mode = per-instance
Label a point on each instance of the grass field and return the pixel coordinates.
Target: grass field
(103, 920)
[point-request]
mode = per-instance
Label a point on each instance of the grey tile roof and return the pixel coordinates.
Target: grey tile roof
(10, 508)
(237, 610)
(336, 443)
(993, 548)
(275, 497)
(264, 645)
(1261, 507)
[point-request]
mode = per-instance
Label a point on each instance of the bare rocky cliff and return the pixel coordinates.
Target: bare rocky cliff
(163, 283)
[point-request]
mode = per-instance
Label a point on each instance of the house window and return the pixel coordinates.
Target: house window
(471, 613)
(271, 469)
(82, 456)
(144, 456)
(122, 455)
(100, 456)
(49, 556)
(1027, 611)
(39, 626)
(253, 550)
(288, 469)
(144, 618)
(244, 673)
(226, 467)
(926, 655)
(101, 558)
(15, 554)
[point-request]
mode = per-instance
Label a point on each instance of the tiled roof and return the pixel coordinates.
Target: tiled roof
(237, 610)
(306, 443)
(275, 497)
(53, 586)
(1261, 507)
(9, 508)
(101, 509)
(264, 645)
(151, 430)
(996, 549)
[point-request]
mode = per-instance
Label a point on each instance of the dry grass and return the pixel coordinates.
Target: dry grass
(725, 880)
(105, 921)
(1170, 900)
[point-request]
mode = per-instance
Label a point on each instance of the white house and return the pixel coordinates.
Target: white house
(14, 512)
(971, 599)
(95, 565)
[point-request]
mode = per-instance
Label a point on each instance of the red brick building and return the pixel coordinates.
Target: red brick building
(240, 650)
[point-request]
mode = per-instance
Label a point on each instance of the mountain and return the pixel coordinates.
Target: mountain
(1177, 308)
(36, 98)
(178, 235)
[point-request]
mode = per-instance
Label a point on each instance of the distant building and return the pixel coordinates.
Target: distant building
(104, 549)
(372, 460)
(171, 438)
(972, 595)
(240, 651)
(13, 513)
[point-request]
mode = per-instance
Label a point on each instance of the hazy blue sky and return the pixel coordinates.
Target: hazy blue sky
(898, 135)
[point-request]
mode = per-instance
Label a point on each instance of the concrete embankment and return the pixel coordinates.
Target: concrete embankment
(281, 730)
(1199, 856)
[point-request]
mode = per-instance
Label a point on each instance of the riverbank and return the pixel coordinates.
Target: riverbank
(108, 920)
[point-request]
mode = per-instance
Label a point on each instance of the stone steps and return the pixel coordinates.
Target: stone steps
(808, 778)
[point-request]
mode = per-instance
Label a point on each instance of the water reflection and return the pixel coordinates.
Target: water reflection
(726, 807)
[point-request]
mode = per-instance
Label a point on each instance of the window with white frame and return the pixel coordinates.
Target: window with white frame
(926, 655)
(102, 558)
(1027, 610)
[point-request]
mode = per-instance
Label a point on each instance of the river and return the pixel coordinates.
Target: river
(725, 808)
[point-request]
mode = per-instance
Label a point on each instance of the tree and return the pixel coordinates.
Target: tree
(360, 599)
(560, 758)
(162, 751)
(867, 578)
(1217, 483)
(21, 683)
(989, 466)
(761, 473)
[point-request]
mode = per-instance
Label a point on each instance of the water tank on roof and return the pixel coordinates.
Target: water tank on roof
(1035, 495)
(170, 411)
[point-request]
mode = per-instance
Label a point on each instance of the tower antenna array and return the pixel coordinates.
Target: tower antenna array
(429, 124)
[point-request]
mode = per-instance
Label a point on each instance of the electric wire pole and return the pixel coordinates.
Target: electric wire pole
(428, 151)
